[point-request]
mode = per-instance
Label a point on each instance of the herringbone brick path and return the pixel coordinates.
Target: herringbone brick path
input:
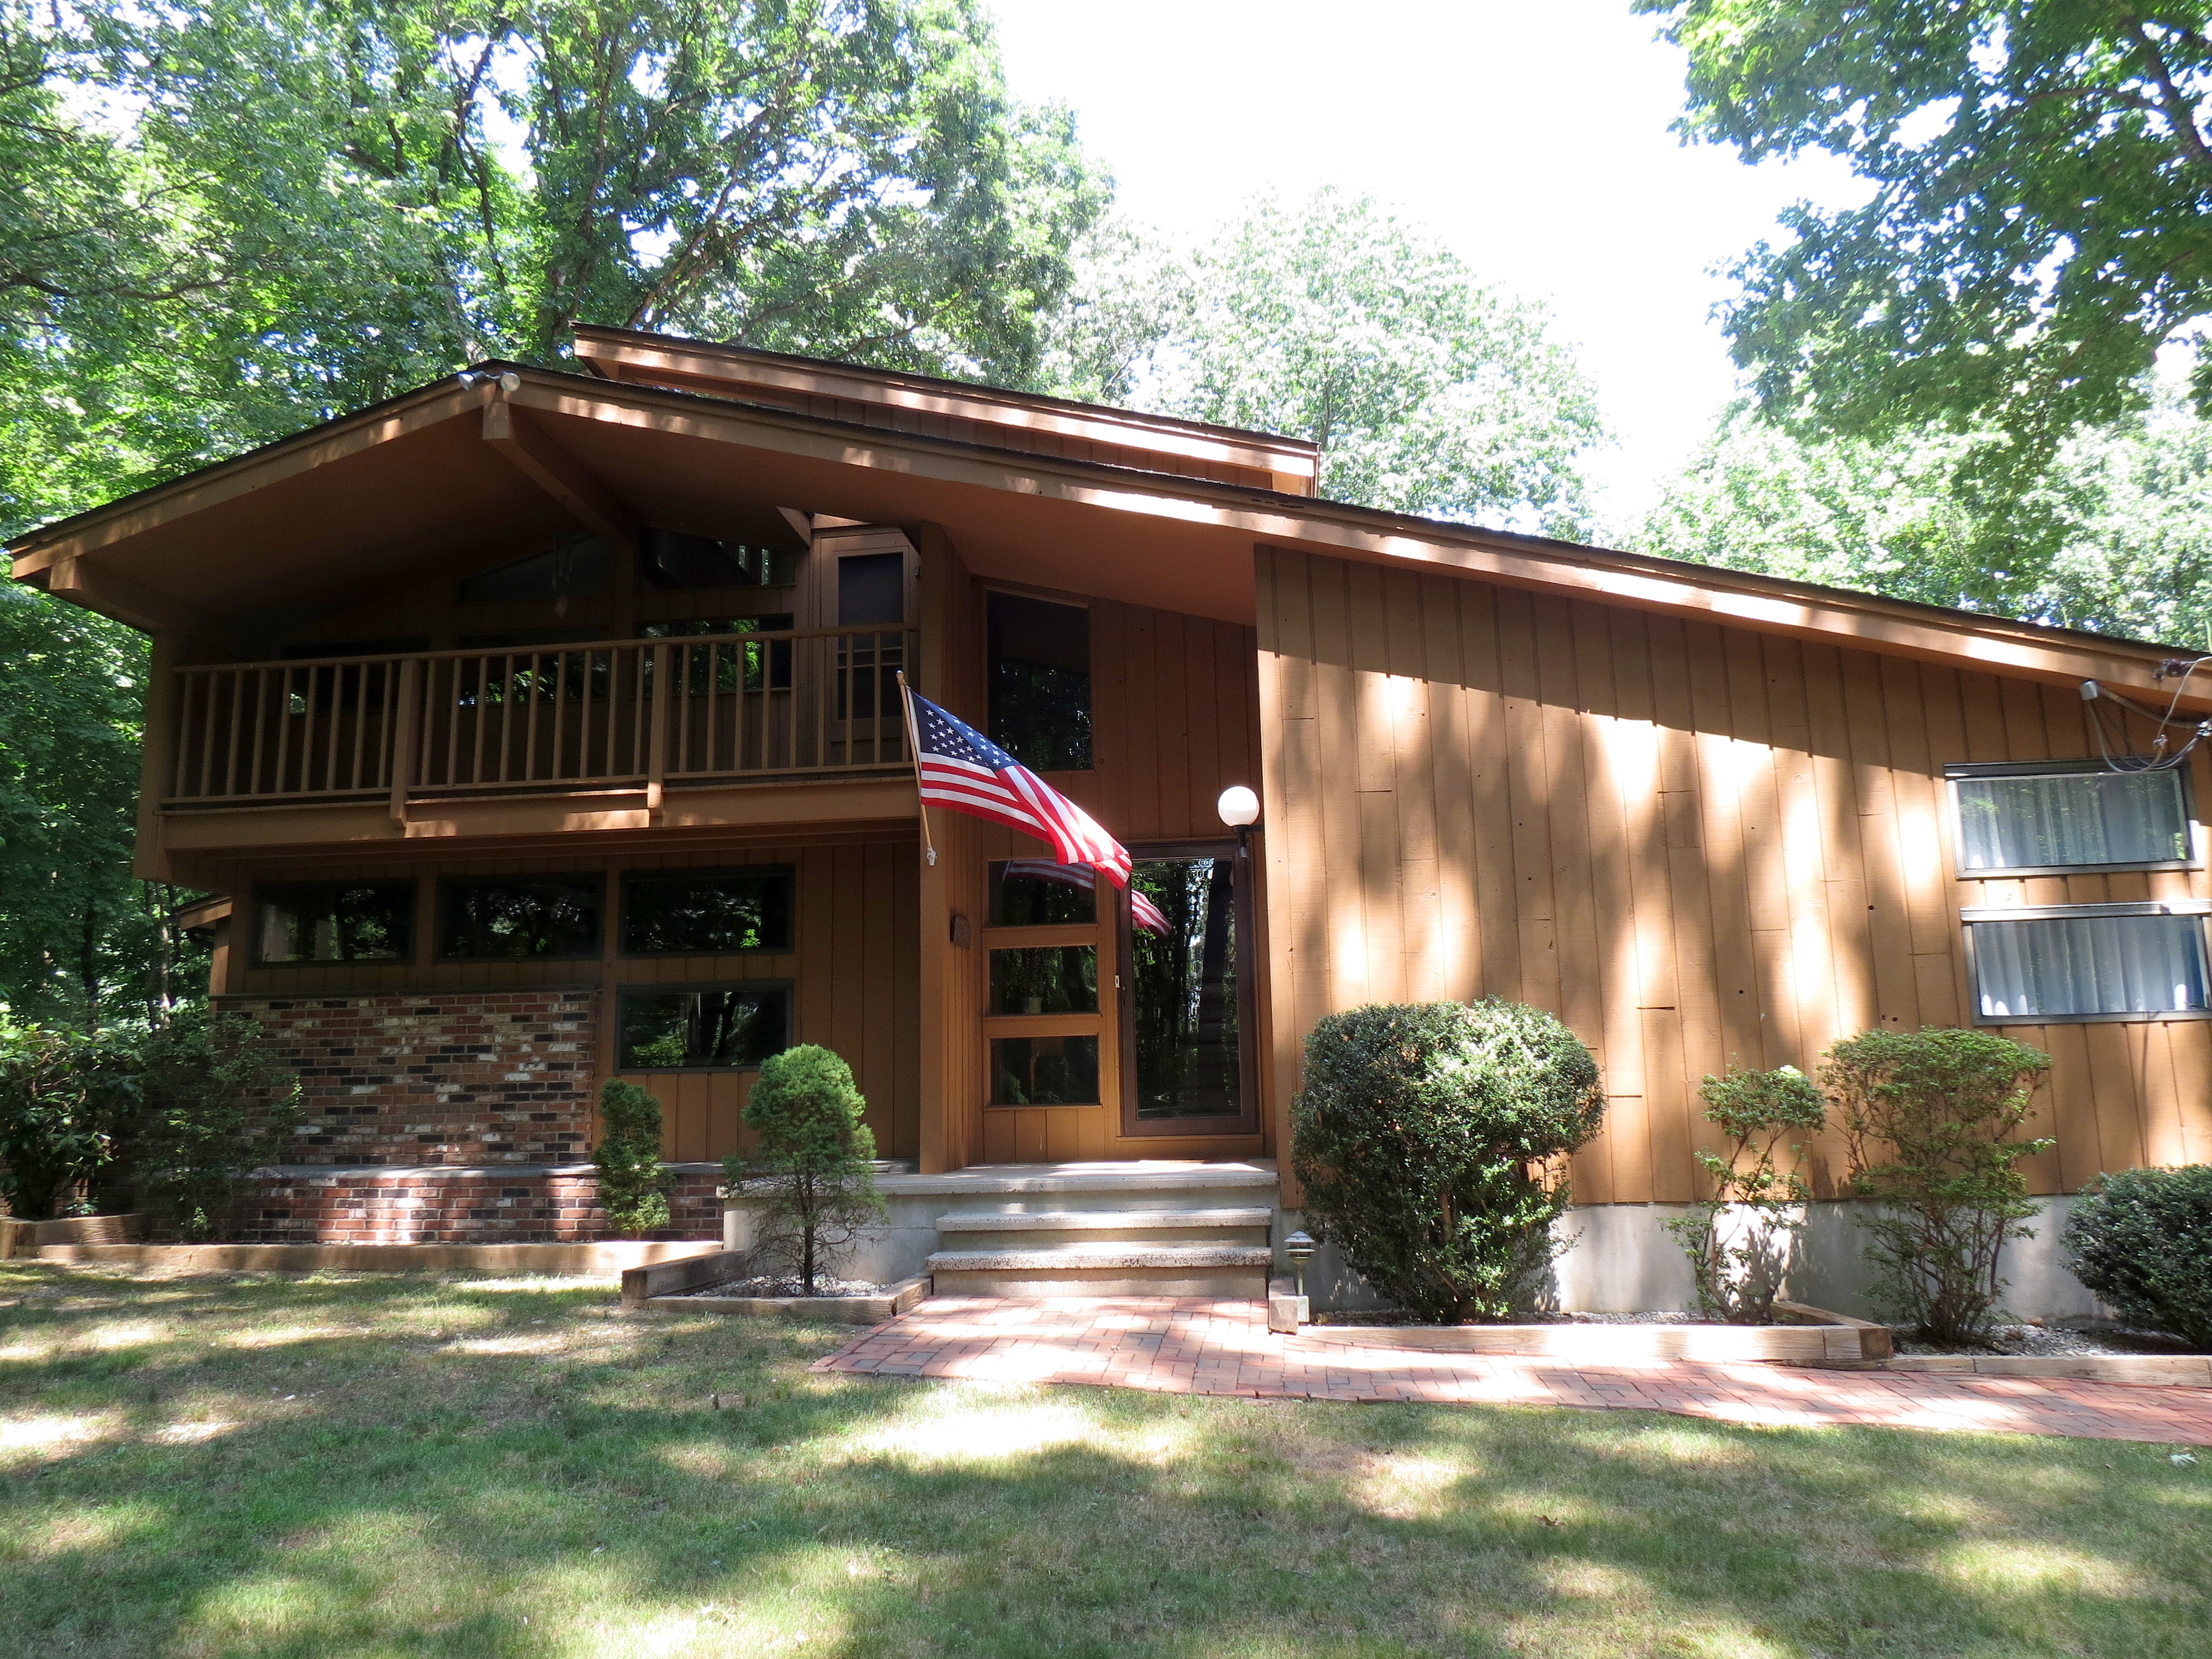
(1198, 1345)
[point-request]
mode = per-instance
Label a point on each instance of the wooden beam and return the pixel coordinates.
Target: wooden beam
(542, 460)
(113, 594)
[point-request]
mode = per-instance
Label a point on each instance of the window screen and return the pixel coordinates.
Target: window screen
(337, 921)
(1040, 672)
(706, 914)
(519, 917)
(2069, 967)
(2072, 820)
(714, 1027)
(871, 590)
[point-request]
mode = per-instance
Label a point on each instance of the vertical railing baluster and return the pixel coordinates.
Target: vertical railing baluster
(559, 712)
(507, 718)
(406, 723)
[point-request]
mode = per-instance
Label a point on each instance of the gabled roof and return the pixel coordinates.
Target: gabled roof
(425, 482)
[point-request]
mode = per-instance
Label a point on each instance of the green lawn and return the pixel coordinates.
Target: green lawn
(376, 1466)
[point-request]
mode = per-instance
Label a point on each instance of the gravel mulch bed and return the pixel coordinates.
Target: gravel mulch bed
(2055, 1341)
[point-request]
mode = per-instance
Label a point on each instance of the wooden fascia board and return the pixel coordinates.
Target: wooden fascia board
(542, 460)
(227, 480)
(115, 595)
(628, 361)
(1833, 619)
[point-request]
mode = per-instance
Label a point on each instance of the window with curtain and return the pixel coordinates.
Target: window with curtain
(2089, 963)
(2070, 820)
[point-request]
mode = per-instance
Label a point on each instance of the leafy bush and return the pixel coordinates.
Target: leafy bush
(1428, 1137)
(634, 1186)
(1743, 1240)
(62, 1094)
(215, 1103)
(1928, 1118)
(2141, 1240)
(812, 1161)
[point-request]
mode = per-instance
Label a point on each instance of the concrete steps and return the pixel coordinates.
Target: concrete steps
(1141, 1250)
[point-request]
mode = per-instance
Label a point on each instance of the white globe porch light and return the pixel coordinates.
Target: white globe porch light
(1238, 806)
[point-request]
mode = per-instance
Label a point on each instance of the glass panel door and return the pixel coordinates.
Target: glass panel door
(1186, 1023)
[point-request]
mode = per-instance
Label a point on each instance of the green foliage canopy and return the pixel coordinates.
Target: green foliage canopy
(2037, 222)
(1426, 1136)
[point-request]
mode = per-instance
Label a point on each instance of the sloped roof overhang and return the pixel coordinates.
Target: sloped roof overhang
(410, 485)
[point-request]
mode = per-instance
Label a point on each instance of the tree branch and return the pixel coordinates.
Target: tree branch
(2175, 107)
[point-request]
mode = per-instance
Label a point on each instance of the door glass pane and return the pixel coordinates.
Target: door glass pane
(1059, 981)
(1183, 963)
(1060, 1070)
(2072, 819)
(2060, 965)
(1038, 893)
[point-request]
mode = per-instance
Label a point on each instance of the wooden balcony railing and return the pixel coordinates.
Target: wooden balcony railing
(540, 719)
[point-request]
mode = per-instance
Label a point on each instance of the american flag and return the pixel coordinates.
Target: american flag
(1147, 916)
(962, 768)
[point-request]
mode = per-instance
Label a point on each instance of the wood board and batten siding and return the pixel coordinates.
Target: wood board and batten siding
(1698, 845)
(852, 970)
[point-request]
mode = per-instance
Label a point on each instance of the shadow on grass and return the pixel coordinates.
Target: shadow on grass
(369, 1466)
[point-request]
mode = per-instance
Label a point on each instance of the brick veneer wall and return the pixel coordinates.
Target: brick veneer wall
(308, 1205)
(482, 1076)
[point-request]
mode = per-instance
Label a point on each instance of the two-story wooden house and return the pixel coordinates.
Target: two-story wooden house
(538, 727)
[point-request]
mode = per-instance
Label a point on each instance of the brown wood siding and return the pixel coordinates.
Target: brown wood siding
(1697, 845)
(851, 967)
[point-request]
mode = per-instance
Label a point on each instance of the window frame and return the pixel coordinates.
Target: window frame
(2198, 909)
(595, 952)
(406, 959)
(1968, 771)
(626, 989)
(789, 873)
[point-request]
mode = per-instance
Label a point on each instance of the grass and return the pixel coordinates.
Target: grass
(375, 1466)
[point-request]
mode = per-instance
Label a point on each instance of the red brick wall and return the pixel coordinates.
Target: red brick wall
(445, 1077)
(298, 1205)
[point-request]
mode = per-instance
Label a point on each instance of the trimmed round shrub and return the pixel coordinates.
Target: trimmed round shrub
(2141, 1240)
(1427, 1137)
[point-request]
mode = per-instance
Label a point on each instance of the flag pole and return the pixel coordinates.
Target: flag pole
(913, 747)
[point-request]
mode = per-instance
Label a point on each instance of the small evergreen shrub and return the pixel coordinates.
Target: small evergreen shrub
(63, 1095)
(1743, 1240)
(215, 1103)
(1929, 1122)
(812, 1160)
(2141, 1240)
(633, 1187)
(1429, 1137)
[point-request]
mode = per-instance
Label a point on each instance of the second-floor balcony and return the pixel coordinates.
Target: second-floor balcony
(642, 714)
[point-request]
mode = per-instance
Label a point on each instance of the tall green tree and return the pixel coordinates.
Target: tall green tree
(2037, 228)
(1429, 391)
(262, 212)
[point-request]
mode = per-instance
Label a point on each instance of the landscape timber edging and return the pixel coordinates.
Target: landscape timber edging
(2167, 1371)
(601, 1256)
(840, 1310)
(1854, 1345)
(20, 1237)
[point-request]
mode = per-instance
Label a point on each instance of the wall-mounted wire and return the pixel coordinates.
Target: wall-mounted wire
(2163, 755)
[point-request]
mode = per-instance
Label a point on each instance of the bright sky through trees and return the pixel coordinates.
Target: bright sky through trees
(1533, 140)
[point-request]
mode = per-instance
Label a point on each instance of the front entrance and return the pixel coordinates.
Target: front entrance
(1186, 1023)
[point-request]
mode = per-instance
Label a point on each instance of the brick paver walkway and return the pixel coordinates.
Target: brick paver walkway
(1197, 1345)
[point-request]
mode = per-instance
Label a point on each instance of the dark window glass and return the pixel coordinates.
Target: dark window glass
(1058, 1070)
(706, 915)
(722, 1025)
(871, 590)
(519, 917)
(337, 921)
(1182, 948)
(578, 570)
(671, 559)
(1038, 893)
(1061, 979)
(1040, 673)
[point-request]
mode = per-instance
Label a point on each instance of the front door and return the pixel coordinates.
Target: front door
(1187, 1027)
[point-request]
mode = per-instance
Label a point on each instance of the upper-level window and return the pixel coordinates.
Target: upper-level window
(706, 913)
(579, 569)
(2054, 816)
(519, 917)
(2085, 961)
(1040, 669)
(671, 559)
(1038, 893)
(335, 921)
